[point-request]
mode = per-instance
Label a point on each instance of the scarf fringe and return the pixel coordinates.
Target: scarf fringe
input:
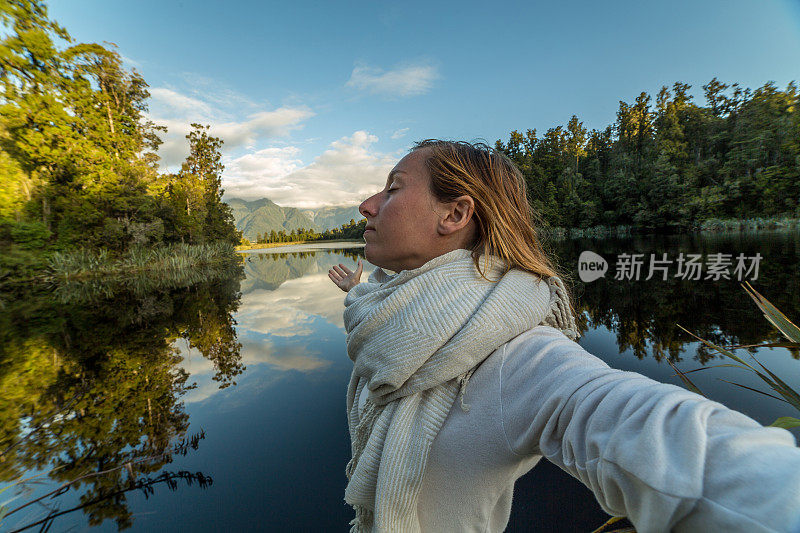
(462, 381)
(364, 517)
(363, 520)
(560, 312)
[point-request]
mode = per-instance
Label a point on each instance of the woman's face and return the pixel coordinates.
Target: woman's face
(402, 222)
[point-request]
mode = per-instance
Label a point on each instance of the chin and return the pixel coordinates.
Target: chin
(369, 255)
(374, 259)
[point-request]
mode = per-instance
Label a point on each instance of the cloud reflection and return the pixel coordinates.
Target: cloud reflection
(290, 309)
(279, 327)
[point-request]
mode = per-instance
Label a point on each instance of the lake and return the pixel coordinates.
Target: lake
(219, 403)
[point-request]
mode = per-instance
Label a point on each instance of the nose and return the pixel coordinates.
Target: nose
(369, 207)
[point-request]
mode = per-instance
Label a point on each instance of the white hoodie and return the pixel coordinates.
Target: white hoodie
(666, 458)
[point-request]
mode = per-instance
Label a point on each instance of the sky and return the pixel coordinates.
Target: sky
(316, 102)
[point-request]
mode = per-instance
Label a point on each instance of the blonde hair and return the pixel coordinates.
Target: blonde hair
(505, 221)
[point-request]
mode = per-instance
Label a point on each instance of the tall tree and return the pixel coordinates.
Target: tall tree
(73, 123)
(576, 139)
(197, 188)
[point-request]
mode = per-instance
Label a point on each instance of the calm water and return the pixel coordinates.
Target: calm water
(225, 395)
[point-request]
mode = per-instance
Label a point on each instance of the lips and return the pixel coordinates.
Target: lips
(369, 228)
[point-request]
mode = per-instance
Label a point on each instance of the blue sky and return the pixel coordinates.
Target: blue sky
(317, 101)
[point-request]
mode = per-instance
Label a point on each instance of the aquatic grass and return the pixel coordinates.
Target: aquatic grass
(20, 482)
(783, 391)
(84, 275)
(83, 263)
(776, 318)
(748, 224)
(258, 246)
(711, 225)
(73, 262)
(594, 232)
(140, 283)
(599, 232)
(611, 521)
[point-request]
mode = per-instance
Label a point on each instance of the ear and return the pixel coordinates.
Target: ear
(456, 215)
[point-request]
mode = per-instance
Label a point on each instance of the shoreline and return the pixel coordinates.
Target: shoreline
(270, 247)
(709, 226)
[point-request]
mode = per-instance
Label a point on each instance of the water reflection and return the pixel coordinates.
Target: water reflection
(643, 314)
(285, 291)
(92, 387)
(97, 377)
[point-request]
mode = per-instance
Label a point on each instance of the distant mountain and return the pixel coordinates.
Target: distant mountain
(262, 216)
(332, 217)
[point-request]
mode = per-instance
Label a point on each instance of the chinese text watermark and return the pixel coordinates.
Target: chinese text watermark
(592, 266)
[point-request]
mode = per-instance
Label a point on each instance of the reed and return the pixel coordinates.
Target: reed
(593, 232)
(82, 264)
(783, 392)
(749, 224)
(780, 389)
(258, 246)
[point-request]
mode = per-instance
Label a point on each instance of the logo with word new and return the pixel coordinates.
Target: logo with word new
(591, 266)
(718, 266)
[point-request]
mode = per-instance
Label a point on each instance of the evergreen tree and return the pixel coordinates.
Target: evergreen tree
(197, 188)
(670, 167)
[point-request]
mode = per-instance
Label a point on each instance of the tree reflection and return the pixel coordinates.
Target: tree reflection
(643, 314)
(95, 386)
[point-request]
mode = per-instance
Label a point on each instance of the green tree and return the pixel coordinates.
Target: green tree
(197, 191)
(73, 124)
(576, 139)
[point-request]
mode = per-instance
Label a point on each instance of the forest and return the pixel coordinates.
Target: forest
(78, 155)
(669, 165)
(79, 158)
(664, 166)
(349, 230)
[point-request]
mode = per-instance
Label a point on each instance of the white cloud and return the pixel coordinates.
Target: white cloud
(342, 175)
(402, 81)
(400, 133)
(218, 93)
(264, 124)
(289, 310)
(175, 103)
(255, 351)
(276, 327)
(269, 162)
(177, 111)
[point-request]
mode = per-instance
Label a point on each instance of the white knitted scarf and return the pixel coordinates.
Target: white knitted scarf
(415, 338)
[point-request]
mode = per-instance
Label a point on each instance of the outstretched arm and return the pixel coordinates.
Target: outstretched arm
(668, 459)
(344, 278)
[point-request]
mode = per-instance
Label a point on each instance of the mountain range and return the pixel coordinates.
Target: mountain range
(254, 217)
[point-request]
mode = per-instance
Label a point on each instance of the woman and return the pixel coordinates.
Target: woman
(466, 372)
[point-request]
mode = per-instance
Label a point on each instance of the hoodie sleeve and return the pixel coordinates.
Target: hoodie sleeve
(666, 458)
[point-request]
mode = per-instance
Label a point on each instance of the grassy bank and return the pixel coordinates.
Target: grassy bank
(712, 225)
(84, 274)
(84, 264)
(595, 232)
(748, 224)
